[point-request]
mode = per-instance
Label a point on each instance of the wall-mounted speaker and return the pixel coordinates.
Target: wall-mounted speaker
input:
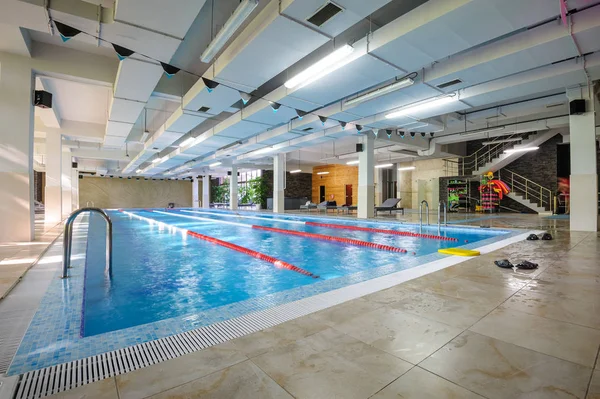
(577, 107)
(359, 147)
(74, 165)
(42, 99)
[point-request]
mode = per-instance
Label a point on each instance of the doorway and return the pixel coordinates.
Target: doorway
(321, 193)
(348, 194)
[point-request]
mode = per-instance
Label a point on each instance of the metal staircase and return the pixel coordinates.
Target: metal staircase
(527, 192)
(492, 158)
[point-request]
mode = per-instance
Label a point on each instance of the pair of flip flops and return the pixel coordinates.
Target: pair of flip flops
(525, 264)
(545, 237)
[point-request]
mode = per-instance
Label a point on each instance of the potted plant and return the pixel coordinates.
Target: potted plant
(258, 191)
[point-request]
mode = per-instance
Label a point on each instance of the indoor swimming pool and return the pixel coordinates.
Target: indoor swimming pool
(179, 270)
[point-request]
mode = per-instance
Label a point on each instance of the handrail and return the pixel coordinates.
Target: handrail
(476, 160)
(68, 238)
(531, 190)
(441, 205)
(421, 215)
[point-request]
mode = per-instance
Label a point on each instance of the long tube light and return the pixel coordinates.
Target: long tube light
(502, 141)
(295, 171)
(480, 131)
(187, 142)
(157, 160)
(512, 151)
(422, 106)
(353, 162)
(322, 173)
(407, 168)
(381, 91)
(321, 68)
(212, 165)
(384, 165)
(241, 13)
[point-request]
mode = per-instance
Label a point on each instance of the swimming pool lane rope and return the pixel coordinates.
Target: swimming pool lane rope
(298, 233)
(258, 255)
(383, 231)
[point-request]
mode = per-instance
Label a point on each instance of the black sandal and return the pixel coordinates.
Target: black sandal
(525, 264)
(504, 263)
(532, 237)
(547, 237)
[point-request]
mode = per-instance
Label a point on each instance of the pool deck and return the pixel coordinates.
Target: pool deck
(471, 330)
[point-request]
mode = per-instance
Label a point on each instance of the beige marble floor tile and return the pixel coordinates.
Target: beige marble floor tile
(345, 311)
(460, 313)
(594, 390)
(459, 287)
(498, 370)
(171, 373)
(555, 338)
(241, 381)
(578, 292)
(103, 389)
(552, 307)
(331, 364)
(407, 336)
(421, 384)
(492, 274)
(275, 337)
(576, 276)
(391, 295)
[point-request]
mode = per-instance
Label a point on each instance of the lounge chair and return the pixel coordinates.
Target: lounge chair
(347, 208)
(391, 205)
(308, 206)
(326, 205)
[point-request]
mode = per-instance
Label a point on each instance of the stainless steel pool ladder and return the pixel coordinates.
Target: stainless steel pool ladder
(421, 215)
(441, 205)
(68, 239)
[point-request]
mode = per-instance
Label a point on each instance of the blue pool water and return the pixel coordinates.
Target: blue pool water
(160, 273)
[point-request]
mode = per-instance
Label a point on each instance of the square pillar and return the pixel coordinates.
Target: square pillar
(16, 150)
(278, 183)
(233, 188)
(53, 190)
(195, 193)
(366, 187)
(206, 191)
(65, 182)
(584, 175)
(75, 188)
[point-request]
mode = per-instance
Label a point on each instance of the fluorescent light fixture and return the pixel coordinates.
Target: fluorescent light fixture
(525, 149)
(295, 171)
(321, 68)
(234, 22)
(187, 142)
(212, 165)
(138, 171)
(480, 131)
(502, 141)
(322, 173)
(384, 165)
(353, 162)
(407, 168)
(156, 160)
(381, 91)
(264, 150)
(423, 106)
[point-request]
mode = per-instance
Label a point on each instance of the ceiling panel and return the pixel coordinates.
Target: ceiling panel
(356, 76)
(79, 101)
(219, 100)
(136, 79)
(269, 117)
(303, 105)
(397, 99)
(243, 129)
(125, 110)
(280, 138)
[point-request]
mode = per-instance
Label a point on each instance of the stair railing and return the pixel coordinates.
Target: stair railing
(479, 158)
(530, 190)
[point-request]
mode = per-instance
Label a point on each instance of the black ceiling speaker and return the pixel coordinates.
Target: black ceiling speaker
(42, 99)
(577, 107)
(359, 147)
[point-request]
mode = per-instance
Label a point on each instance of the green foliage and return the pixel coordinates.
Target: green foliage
(221, 193)
(258, 191)
(244, 194)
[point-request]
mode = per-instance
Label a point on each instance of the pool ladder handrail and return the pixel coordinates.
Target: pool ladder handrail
(421, 215)
(68, 238)
(441, 205)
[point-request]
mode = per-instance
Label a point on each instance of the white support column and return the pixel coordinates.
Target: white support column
(366, 188)
(16, 150)
(233, 188)
(206, 191)
(378, 178)
(278, 183)
(53, 194)
(195, 193)
(65, 182)
(75, 188)
(584, 175)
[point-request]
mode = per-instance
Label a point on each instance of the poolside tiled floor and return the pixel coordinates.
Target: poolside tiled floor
(469, 331)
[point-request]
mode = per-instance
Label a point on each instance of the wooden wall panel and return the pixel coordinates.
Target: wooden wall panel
(335, 182)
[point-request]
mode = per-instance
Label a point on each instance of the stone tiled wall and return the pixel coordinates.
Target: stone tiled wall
(39, 182)
(298, 185)
(132, 193)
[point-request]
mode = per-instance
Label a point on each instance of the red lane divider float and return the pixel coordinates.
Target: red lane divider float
(331, 238)
(278, 263)
(384, 231)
